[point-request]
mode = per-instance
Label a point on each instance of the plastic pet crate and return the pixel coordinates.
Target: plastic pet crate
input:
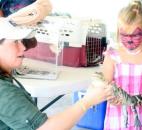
(94, 118)
(79, 42)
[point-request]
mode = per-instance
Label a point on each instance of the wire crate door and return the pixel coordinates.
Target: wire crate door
(94, 50)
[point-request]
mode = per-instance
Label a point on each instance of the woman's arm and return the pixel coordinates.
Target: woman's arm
(67, 119)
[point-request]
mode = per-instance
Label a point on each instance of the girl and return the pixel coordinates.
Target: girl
(124, 66)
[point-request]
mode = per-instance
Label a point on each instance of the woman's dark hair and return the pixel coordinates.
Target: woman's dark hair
(1, 40)
(29, 43)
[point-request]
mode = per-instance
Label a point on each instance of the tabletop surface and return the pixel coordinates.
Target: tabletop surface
(70, 79)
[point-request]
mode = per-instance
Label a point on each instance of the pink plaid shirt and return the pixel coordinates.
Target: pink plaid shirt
(129, 77)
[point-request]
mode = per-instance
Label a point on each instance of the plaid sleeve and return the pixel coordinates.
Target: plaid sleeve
(17, 111)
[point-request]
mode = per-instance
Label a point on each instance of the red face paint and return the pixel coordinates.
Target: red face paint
(131, 41)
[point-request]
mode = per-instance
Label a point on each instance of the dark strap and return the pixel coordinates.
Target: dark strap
(20, 85)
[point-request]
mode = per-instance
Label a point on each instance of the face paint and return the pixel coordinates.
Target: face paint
(131, 41)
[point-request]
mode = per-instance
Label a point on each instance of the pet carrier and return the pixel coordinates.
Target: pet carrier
(82, 41)
(50, 52)
(49, 46)
(89, 53)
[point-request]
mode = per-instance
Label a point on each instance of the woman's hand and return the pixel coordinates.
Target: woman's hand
(97, 94)
(115, 101)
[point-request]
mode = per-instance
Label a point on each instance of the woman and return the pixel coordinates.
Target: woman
(17, 109)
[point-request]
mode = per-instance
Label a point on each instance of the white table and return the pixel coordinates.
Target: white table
(70, 79)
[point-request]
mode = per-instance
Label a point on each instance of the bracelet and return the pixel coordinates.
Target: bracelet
(82, 105)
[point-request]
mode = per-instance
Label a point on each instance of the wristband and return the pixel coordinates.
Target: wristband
(82, 105)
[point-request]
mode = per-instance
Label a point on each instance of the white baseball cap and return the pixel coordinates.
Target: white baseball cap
(9, 30)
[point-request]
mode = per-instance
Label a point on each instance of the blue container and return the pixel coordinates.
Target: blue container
(94, 118)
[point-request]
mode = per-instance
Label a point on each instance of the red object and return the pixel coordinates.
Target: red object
(87, 55)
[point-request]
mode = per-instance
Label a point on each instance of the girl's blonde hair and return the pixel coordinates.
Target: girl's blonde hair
(130, 14)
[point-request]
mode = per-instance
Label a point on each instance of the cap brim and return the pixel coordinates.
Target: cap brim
(10, 31)
(19, 34)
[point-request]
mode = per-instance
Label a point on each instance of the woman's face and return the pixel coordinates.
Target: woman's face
(11, 54)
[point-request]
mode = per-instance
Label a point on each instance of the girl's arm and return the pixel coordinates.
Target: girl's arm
(108, 72)
(108, 68)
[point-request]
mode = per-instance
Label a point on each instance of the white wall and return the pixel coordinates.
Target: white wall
(99, 9)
